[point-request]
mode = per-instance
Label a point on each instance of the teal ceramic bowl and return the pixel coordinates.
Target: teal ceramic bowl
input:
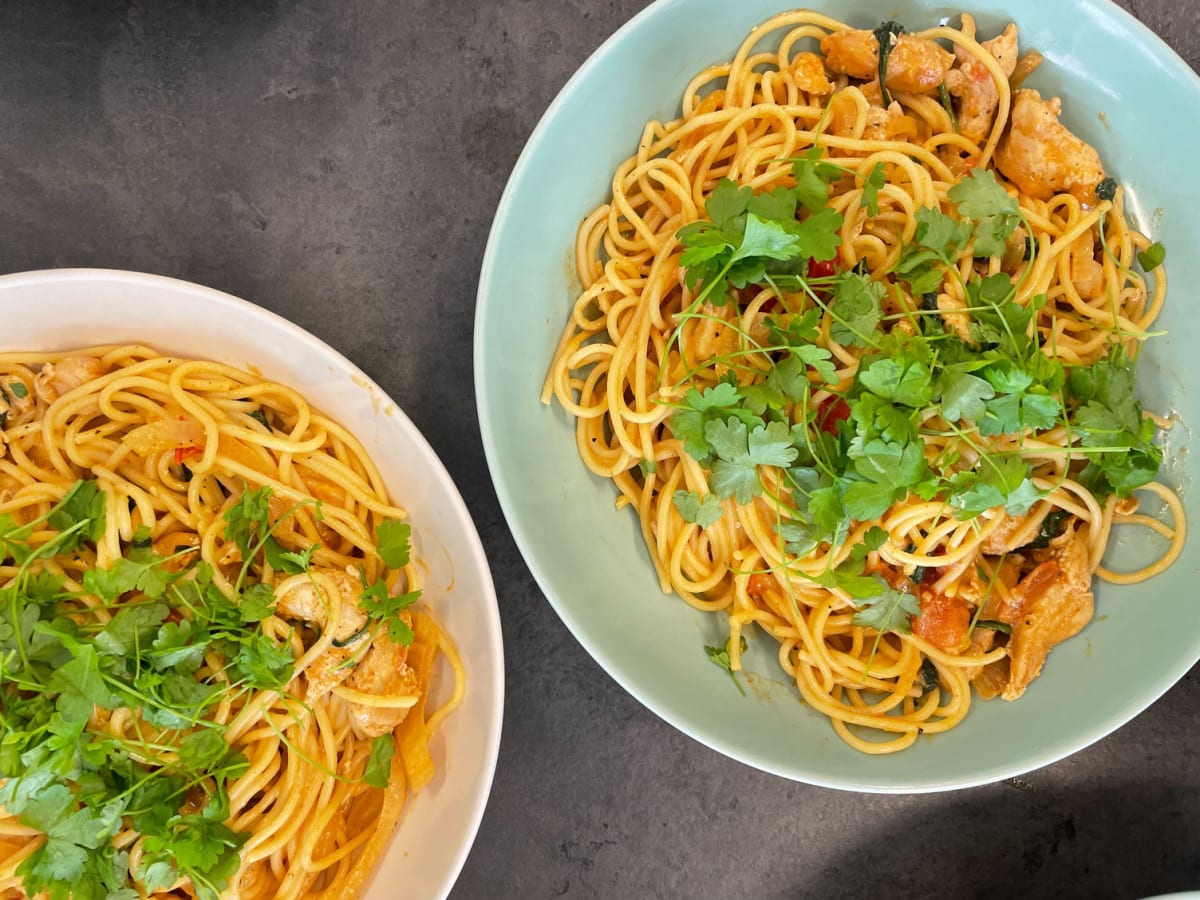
(1125, 92)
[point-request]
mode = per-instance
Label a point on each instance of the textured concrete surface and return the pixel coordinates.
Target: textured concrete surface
(340, 164)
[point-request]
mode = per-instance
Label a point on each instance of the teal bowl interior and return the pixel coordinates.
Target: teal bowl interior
(1125, 92)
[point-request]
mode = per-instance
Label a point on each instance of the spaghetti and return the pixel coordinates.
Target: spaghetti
(210, 655)
(856, 341)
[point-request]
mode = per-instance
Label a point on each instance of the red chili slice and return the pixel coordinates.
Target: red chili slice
(182, 453)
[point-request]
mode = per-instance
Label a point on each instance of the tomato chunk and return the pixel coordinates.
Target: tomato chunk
(824, 268)
(832, 411)
(758, 585)
(944, 621)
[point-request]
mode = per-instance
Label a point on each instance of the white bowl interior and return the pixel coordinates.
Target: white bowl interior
(67, 308)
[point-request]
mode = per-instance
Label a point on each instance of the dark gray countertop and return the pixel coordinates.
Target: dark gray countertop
(339, 163)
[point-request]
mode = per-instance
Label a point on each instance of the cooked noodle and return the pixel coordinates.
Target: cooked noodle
(639, 339)
(173, 445)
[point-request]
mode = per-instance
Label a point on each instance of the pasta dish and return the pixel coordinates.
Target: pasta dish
(857, 339)
(214, 668)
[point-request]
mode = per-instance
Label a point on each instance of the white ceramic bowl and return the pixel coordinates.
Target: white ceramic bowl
(66, 308)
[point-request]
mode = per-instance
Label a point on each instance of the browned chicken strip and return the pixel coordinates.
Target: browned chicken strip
(915, 66)
(975, 88)
(1057, 603)
(1041, 157)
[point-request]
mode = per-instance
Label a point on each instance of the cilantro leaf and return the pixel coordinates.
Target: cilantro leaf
(740, 452)
(393, 548)
(199, 845)
(826, 510)
(897, 465)
(1152, 257)
(247, 519)
(779, 204)
(890, 610)
(998, 480)
(938, 239)
(262, 663)
(813, 179)
(177, 646)
(288, 562)
(871, 185)
(963, 395)
(800, 538)
(789, 376)
(867, 500)
(1022, 499)
(204, 748)
(766, 238)
(901, 380)
(700, 511)
(719, 657)
(382, 607)
(379, 766)
(256, 602)
(794, 330)
(818, 236)
(702, 242)
(83, 503)
(996, 214)
(1110, 417)
(80, 685)
(944, 235)
(131, 629)
(856, 309)
(127, 575)
(698, 408)
(727, 202)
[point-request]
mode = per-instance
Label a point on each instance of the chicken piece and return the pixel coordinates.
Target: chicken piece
(808, 71)
(1041, 157)
(854, 53)
(383, 672)
(843, 112)
(982, 641)
(957, 322)
(915, 65)
(1057, 601)
(14, 408)
(165, 434)
(970, 586)
(56, 379)
(1015, 531)
(1015, 249)
(1086, 274)
(972, 84)
(304, 602)
(888, 124)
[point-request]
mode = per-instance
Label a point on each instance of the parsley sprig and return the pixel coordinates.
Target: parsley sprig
(750, 419)
(140, 642)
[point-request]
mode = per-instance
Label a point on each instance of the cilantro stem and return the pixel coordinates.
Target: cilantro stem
(262, 542)
(948, 105)
(986, 594)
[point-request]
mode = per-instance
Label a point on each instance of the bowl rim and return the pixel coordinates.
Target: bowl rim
(461, 515)
(714, 740)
